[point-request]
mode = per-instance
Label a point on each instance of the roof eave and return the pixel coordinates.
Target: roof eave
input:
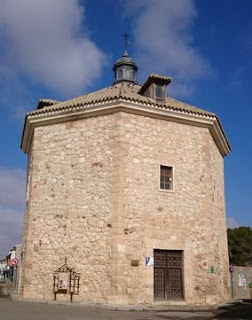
(122, 104)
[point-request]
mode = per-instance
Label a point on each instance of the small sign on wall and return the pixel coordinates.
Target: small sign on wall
(211, 269)
(242, 281)
(134, 263)
(149, 261)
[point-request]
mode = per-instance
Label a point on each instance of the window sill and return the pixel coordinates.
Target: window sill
(167, 190)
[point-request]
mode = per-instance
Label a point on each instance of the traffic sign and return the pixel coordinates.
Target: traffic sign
(231, 268)
(14, 262)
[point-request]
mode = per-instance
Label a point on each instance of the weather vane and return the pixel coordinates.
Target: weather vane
(126, 42)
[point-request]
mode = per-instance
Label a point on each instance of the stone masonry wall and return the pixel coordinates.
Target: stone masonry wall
(219, 240)
(192, 218)
(95, 199)
(73, 180)
(26, 220)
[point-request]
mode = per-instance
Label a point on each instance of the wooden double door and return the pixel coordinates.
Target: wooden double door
(168, 275)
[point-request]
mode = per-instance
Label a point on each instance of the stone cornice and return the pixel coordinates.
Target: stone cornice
(122, 104)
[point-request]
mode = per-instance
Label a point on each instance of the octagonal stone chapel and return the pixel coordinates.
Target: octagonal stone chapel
(127, 184)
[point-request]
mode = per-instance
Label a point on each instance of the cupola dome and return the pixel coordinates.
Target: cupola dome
(125, 68)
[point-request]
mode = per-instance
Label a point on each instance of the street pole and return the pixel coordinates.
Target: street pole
(232, 286)
(231, 269)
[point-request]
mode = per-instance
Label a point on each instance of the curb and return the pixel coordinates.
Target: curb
(157, 308)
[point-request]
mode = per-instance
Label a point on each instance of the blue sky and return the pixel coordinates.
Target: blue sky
(60, 49)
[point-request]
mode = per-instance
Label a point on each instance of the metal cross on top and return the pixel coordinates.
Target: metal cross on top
(126, 42)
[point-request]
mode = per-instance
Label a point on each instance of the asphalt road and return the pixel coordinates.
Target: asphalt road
(19, 310)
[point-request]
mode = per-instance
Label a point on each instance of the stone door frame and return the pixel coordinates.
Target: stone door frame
(168, 275)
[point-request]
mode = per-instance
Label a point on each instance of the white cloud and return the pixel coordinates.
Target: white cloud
(12, 190)
(163, 32)
(12, 187)
(46, 41)
(10, 229)
(232, 223)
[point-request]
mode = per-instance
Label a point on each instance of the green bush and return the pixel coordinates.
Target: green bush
(240, 246)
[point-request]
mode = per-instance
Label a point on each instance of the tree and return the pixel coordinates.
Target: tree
(240, 246)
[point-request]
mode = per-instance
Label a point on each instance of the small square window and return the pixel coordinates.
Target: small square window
(159, 92)
(166, 178)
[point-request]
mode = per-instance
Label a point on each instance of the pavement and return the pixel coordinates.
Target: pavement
(13, 308)
(3, 289)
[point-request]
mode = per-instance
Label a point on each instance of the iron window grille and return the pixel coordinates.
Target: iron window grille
(166, 178)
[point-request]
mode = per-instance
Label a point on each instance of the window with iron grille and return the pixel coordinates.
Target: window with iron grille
(166, 178)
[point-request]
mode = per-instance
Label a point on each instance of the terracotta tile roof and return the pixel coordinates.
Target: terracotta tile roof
(121, 91)
(46, 102)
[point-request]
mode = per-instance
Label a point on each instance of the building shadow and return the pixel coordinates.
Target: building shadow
(241, 309)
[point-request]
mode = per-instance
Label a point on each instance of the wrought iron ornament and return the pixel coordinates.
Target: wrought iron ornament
(66, 281)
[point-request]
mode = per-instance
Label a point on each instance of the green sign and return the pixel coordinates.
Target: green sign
(211, 269)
